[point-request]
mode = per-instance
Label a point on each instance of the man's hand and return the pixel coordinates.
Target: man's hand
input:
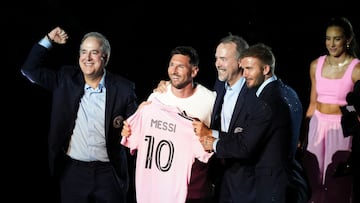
(204, 133)
(207, 143)
(58, 35)
(161, 86)
(126, 130)
(201, 129)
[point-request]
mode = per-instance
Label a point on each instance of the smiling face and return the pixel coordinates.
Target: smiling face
(91, 59)
(335, 41)
(180, 71)
(227, 63)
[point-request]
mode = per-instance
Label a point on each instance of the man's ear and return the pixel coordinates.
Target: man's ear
(104, 58)
(195, 70)
(267, 70)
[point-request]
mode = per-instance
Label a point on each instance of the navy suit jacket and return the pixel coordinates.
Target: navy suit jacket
(257, 146)
(67, 87)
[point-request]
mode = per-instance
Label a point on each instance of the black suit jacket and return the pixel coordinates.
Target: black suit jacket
(67, 87)
(257, 145)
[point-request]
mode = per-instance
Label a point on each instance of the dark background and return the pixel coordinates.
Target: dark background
(142, 35)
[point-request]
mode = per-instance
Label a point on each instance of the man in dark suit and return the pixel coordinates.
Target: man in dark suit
(229, 72)
(257, 145)
(88, 106)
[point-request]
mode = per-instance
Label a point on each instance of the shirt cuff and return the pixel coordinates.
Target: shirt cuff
(45, 42)
(215, 134)
(214, 144)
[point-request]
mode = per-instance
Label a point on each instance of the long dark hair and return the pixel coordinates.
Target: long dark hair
(352, 47)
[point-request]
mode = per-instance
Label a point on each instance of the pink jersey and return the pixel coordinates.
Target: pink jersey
(334, 91)
(166, 149)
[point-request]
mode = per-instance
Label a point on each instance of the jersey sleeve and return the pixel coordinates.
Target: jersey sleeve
(132, 141)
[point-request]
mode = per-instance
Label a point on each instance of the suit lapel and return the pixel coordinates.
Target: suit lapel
(110, 95)
(238, 107)
(216, 115)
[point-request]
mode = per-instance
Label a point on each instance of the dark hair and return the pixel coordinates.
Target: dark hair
(347, 28)
(261, 52)
(187, 51)
(240, 42)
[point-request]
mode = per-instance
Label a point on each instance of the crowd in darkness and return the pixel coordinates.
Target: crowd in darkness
(141, 37)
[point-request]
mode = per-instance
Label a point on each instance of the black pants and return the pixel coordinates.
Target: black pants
(90, 182)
